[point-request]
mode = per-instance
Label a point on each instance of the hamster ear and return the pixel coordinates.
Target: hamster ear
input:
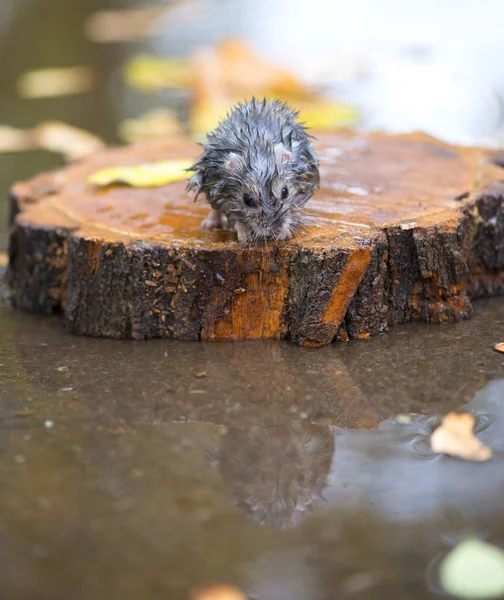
(234, 162)
(282, 155)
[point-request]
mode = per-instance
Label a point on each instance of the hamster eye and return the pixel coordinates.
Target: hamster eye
(285, 193)
(249, 201)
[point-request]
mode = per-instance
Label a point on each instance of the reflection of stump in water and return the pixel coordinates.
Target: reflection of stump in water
(275, 474)
(127, 385)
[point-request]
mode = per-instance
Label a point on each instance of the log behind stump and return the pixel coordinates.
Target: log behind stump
(403, 227)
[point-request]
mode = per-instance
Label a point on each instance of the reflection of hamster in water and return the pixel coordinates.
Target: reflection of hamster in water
(275, 473)
(257, 172)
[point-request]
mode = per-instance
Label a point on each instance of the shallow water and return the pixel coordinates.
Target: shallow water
(139, 470)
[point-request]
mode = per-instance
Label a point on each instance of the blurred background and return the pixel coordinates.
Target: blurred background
(134, 470)
(125, 70)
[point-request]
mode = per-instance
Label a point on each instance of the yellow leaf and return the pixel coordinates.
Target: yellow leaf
(151, 73)
(206, 117)
(147, 175)
(325, 115)
(156, 124)
(51, 82)
(319, 115)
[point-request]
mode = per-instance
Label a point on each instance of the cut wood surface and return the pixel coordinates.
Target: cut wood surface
(403, 227)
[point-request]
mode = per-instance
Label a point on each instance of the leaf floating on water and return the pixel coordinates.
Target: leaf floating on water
(70, 141)
(403, 419)
(150, 73)
(473, 569)
(455, 437)
(48, 83)
(156, 124)
(26, 413)
(141, 176)
(15, 140)
(219, 591)
(499, 347)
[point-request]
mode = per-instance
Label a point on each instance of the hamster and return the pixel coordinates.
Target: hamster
(257, 171)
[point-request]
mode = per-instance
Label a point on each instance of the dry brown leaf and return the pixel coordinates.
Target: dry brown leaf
(106, 26)
(499, 347)
(70, 141)
(231, 71)
(26, 413)
(218, 591)
(15, 140)
(156, 124)
(51, 82)
(226, 74)
(455, 437)
(246, 73)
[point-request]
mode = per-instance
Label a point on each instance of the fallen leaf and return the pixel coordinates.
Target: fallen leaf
(205, 118)
(15, 140)
(147, 175)
(245, 73)
(46, 83)
(26, 413)
(74, 143)
(324, 115)
(151, 73)
(499, 347)
(219, 591)
(403, 419)
(318, 115)
(106, 26)
(473, 569)
(455, 437)
(230, 72)
(156, 124)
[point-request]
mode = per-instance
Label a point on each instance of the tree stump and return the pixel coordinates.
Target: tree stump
(403, 227)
